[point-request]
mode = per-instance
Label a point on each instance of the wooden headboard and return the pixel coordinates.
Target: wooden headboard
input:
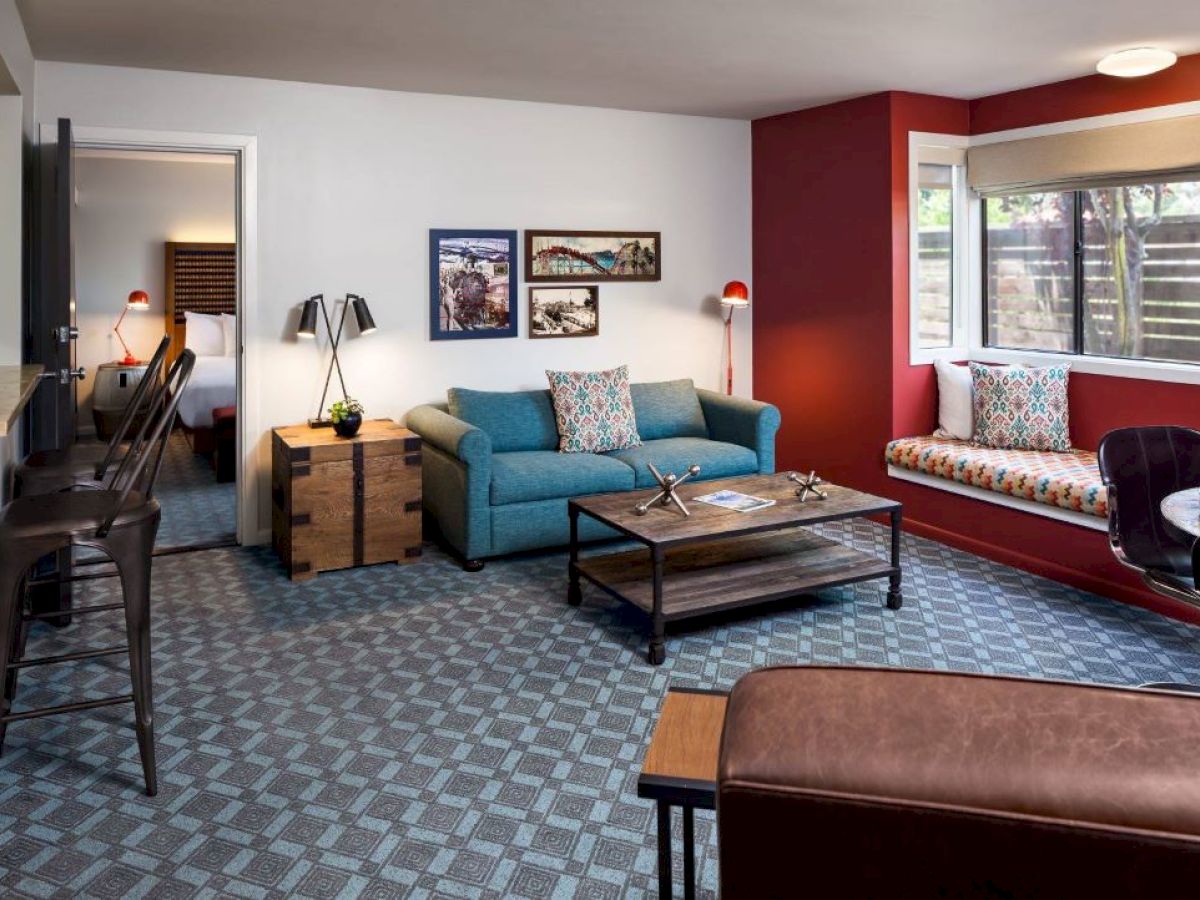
(200, 278)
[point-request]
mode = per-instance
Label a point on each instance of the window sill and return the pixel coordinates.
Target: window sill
(1179, 373)
(930, 356)
(1083, 520)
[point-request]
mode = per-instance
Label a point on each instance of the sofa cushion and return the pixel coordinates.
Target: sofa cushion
(522, 476)
(593, 410)
(1066, 480)
(716, 459)
(514, 420)
(667, 409)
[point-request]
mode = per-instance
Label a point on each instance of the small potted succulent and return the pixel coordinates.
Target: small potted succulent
(347, 417)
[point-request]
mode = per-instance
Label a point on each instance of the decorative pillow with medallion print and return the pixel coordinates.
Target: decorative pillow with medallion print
(594, 411)
(1021, 408)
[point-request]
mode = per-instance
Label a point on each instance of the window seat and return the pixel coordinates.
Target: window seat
(1063, 486)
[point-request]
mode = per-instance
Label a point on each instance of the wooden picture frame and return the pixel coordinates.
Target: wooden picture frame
(472, 284)
(566, 323)
(562, 256)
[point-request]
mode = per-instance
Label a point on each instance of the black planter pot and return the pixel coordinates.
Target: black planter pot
(348, 426)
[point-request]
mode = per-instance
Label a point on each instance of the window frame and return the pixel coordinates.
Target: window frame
(945, 149)
(1167, 372)
(1079, 361)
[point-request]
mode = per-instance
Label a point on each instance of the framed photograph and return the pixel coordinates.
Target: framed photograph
(556, 312)
(472, 285)
(593, 256)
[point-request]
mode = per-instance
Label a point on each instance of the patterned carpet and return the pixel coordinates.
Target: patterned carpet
(196, 509)
(420, 731)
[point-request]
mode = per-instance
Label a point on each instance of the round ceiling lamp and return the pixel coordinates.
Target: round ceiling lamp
(1136, 62)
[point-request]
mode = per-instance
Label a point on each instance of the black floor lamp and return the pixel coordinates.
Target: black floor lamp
(308, 329)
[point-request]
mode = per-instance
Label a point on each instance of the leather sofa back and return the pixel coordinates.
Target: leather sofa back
(891, 783)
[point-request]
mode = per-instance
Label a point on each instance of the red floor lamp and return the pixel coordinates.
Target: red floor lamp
(735, 296)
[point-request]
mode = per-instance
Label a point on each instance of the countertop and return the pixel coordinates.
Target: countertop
(16, 387)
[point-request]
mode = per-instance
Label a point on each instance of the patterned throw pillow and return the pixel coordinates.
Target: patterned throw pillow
(1020, 408)
(594, 411)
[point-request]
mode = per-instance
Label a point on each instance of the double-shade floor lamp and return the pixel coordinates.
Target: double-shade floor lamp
(735, 296)
(308, 329)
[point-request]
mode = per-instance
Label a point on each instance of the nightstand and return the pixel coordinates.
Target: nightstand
(341, 502)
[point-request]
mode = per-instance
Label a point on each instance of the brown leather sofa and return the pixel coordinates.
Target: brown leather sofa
(847, 782)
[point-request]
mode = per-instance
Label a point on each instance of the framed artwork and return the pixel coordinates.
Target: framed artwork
(472, 285)
(559, 256)
(556, 312)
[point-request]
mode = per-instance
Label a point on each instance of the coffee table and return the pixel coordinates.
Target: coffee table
(718, 559)
(680, 769)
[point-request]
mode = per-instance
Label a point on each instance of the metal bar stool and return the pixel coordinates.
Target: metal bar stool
(119, 519)
(52, 470)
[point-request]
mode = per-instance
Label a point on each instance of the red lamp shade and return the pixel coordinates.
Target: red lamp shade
(735, 294)
(138, 300)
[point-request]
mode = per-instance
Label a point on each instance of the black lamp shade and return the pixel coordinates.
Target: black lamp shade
(362, 315)
(308, 318)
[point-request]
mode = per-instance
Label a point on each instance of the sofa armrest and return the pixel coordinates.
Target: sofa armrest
(737, 420)
(464, 442)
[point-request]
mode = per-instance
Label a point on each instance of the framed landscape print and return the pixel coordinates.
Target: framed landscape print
(564, 311)
(593, 256)
(472, 285)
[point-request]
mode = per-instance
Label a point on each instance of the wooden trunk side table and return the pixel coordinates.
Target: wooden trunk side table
(341, 502)
(680, 769)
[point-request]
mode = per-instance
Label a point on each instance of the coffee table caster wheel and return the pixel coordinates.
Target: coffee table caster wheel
(895, 600)
(574, 594)
(657, 655)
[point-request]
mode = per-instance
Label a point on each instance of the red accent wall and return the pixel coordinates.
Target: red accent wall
(823, 285)
(1092, 95)
(830, 193)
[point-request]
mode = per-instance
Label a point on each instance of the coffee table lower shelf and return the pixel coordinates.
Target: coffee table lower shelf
(728, 573)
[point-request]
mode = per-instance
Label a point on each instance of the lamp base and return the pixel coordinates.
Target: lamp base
(320, 423)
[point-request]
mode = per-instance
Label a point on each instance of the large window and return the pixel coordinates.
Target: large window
(1106, 271)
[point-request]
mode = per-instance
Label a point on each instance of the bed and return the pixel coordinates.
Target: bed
(201, 281)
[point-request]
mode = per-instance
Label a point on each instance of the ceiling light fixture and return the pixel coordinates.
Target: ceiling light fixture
(1136, 62)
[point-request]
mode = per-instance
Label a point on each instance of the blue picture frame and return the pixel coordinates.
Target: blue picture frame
(472, 284)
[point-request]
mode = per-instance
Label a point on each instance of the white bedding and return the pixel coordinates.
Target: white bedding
(213, 385)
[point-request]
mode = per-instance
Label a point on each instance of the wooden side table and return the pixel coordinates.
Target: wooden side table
(341, 502)
(680, 769)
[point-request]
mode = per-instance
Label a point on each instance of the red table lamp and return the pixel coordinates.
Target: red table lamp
(136, 300)
(735, 296)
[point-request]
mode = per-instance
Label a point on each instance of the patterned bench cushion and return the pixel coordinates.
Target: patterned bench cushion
(1067, 480)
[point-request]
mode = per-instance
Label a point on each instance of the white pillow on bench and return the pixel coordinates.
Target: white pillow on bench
(956, 407)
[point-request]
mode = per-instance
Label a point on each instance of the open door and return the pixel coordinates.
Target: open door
(52, 334)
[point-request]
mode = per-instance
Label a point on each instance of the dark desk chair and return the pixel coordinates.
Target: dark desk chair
(1141, 466)
(120, 519)
(53, 470)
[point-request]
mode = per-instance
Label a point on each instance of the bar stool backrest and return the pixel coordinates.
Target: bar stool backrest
(152, 379)
(140, 467)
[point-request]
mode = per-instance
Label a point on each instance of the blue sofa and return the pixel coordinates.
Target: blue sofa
(495, 482)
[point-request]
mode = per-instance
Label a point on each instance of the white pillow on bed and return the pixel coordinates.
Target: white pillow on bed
(956, 408)
(229, 329)
(205, 336)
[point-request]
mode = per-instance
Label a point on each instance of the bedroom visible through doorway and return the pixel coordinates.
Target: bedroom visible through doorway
(155, 250)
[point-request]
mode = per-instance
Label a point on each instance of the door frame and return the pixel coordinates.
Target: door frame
(244, 148)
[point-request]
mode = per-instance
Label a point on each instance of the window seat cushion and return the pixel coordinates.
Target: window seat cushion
(1066, 480)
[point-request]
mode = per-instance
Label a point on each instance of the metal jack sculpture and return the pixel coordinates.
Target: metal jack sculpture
(809, 483)
(667, 495)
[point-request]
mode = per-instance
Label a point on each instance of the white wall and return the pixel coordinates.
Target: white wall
(351, 180)
(127, 207)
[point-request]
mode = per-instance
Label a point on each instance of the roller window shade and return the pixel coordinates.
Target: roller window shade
(1162, 150)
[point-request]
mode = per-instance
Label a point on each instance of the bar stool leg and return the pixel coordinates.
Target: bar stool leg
(131, 549)
(14, 564)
